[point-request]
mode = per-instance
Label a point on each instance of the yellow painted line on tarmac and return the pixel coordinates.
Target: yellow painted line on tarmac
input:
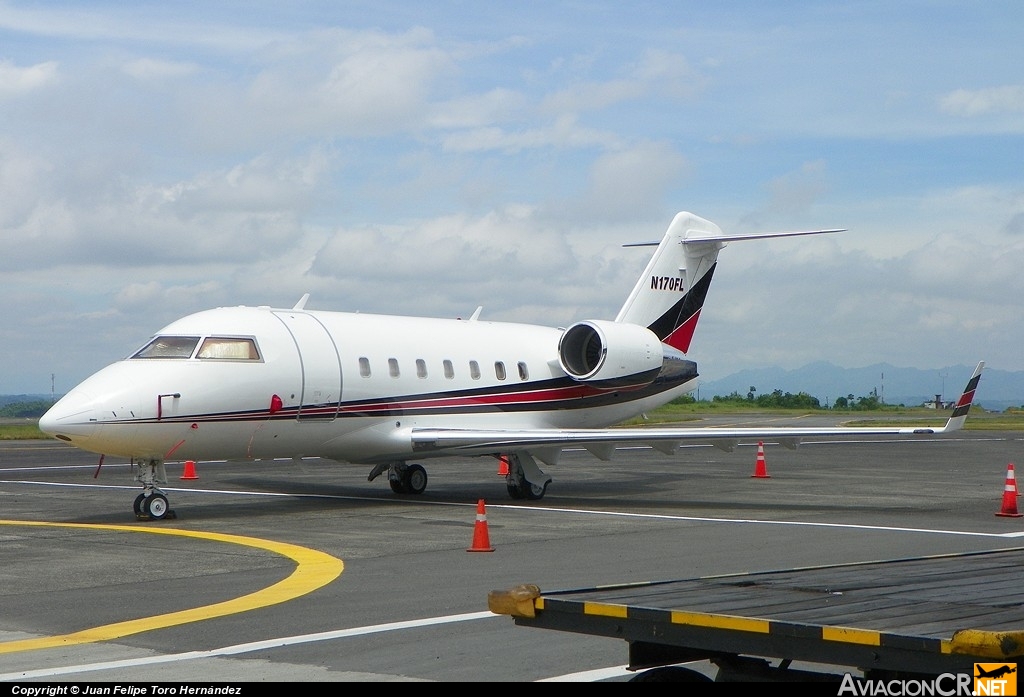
(314, 569)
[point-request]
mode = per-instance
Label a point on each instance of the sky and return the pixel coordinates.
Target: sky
(159, 159)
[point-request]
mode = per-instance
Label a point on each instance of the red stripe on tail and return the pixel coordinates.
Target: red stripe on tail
(681, 337)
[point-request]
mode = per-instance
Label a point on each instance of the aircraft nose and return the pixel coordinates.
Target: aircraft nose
(71, 417)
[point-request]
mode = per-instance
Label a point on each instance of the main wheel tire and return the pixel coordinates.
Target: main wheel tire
(155, 506)
(415, 479)
(533, 492)
(139, 505)
(514, 492)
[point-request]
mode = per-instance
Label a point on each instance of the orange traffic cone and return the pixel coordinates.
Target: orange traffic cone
(481, 539)
(760, 468)
(1010, 495)
(190, 470)
(503, 466)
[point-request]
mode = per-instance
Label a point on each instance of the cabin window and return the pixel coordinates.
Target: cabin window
(524, 374)
(474, 370)
(228, 348)
(364, 367)
(168, 347)
(449, 370)
(421, 368)
(499, 370)
(393, 367)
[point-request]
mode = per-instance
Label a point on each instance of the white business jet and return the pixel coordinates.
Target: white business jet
(260, 383)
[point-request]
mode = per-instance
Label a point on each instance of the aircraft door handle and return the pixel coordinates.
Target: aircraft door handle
(160, 403)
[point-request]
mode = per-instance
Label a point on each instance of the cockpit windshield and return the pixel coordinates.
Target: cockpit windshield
(230, 348)
(213, 348)
(168, 347)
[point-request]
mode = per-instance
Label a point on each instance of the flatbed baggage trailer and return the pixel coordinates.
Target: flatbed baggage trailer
(910, 618)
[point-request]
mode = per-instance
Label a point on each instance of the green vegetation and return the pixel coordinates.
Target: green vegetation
(25, 410)
(9, 430)
(20, 420)
(775, 400)
(860, 412)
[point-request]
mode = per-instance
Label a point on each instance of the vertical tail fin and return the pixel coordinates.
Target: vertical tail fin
(669, 296)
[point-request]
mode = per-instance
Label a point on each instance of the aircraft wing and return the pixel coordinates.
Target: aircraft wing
(547, 443)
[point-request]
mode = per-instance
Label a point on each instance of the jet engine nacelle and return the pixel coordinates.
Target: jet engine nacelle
(610, 353)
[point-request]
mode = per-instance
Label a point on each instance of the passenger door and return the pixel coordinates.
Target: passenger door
(321, 366)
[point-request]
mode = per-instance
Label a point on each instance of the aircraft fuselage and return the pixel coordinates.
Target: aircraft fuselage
(344, 386)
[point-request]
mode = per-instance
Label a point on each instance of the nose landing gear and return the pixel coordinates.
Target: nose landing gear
(152, 503)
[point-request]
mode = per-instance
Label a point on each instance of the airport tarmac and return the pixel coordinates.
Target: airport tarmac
(306, 572)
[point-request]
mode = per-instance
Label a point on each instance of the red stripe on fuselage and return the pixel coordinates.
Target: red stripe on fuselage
(520, 397)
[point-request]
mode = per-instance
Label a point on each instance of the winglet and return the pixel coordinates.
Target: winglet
(301, 305)
(963, 405)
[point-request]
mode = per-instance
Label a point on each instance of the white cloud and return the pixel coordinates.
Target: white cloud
(1004, 99)
(624, 183)
(15, 80)
(565, 132)
(670, 73)
(793, 193)
(342, 82)
(478, 110)
(416, 159)
(60, 24)
(656, 72)
(153, 69)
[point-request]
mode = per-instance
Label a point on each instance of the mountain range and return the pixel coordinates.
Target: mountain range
(997, 391)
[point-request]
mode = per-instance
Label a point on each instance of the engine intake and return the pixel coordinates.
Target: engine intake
(610, 353)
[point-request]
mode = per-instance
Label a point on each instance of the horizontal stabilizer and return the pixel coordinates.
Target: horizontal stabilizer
(698, 238)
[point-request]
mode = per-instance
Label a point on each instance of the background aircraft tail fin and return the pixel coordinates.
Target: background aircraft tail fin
(963, 405)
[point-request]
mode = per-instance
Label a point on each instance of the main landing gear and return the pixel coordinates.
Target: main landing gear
(152, 503)
(525, 480)
(403, 478)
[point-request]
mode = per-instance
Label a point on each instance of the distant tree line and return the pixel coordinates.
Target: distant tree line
(777, 399)
(25, 410)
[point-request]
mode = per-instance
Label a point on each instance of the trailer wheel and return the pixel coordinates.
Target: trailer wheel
(670, 674)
